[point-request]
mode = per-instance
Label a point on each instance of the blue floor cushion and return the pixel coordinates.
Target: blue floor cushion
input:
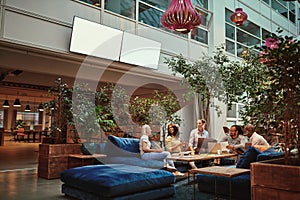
(116, 179)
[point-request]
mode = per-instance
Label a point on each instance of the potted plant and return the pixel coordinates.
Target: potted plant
(268, 84)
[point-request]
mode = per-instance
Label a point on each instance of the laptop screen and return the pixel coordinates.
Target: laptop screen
(203, 142)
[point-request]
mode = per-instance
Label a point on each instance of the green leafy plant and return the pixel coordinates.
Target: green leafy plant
(203, 78)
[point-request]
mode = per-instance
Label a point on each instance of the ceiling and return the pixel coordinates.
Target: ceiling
(27, 73)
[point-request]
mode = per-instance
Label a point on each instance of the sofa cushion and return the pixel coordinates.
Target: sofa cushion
(116, 180)
(248, 157)
(128, 147)
(157, 164)
(270, 153)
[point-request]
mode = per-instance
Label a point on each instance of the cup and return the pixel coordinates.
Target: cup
(219, 152)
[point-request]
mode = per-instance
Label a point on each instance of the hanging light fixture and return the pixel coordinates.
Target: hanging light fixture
(41, 107)
(181, 16)
(27, 108)
(17, 103)
(238, 17)
(5, 104)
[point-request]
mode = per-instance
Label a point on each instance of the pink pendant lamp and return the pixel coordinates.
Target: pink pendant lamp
(181, 16)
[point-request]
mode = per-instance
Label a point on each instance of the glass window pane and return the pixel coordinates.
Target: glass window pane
(267, 1)
(200, 35)
(162, 4)
(230, 47)
(292, 17)
(240, 50)
(1, 118)
(149, 15)
(228, 13)
(265, 34)
(204, 18)
(246, 39)
(230, 31)
(28, 118)
(93, 2)
(231, 112)
(125, 8)
(240, 108)
(201, 3)
(280, 8)
(250, 27)
(230, 123)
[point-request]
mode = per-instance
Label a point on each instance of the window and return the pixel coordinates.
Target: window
(230, 47)
(233, 114)
(162, 4)
(201, 3)
(29, 118)
(1, 118)
(199, 35)
(230, 32)
(150, 15)
(241, 37)
(93, 2)
(265, 33)
(125, 7)
(285, 8)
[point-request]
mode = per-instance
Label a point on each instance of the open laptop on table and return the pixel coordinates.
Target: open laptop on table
(202, 146)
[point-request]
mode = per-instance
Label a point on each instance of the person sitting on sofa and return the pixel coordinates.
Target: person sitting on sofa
(236, 140)
(173, 142)
(254, 137)
(155, 154)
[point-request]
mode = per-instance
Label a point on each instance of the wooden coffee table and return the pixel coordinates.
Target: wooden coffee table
(201, 157)
(219, 171)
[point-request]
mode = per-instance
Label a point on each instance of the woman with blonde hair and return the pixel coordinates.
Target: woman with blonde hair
(155, 154)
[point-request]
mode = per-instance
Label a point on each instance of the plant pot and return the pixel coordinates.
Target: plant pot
(274, 180)
(53, 159)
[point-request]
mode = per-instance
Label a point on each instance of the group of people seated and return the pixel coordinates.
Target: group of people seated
(235, 136)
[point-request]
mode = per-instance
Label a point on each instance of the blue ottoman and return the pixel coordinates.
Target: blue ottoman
(117, 181)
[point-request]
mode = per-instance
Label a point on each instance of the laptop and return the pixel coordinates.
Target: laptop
(203, 144)
(213, 147)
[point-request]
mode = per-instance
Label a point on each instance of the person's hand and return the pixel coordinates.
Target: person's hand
(159, 150)
(229, 147)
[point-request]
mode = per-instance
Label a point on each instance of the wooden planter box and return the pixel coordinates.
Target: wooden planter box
(53, 159)
(274, 180)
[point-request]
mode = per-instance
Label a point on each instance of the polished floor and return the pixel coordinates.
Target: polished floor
(19, 180)
(18, 174)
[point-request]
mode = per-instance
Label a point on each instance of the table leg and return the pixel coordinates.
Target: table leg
(194, 187)
(230, 188)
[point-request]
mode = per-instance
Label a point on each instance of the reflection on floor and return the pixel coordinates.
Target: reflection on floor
(18, 174)
(19, 180)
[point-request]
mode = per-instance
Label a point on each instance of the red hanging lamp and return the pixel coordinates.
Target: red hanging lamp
(181, 16)
(238, 17)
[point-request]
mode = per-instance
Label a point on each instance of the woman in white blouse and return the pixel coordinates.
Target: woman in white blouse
(154, 154)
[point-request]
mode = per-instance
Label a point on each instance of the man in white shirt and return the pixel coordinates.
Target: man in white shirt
(254, 137)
